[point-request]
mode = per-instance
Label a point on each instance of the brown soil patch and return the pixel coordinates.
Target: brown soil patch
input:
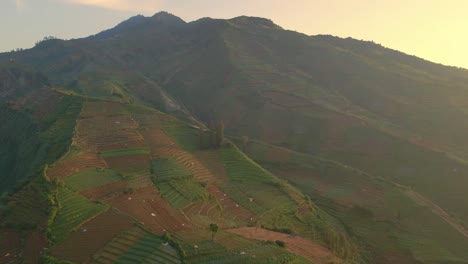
(34, 244)
(105, 131)
(129, 144)
(311, 251)
(105, 191)
(147, 207)
(10, 246)
(81, 161)
(130, 164)
(92, 236)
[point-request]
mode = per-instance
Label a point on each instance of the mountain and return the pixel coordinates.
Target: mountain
(372, 137)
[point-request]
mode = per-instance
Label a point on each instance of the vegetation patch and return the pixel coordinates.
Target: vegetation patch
(150, 249)
(73, 210)
(186, 137)
(124, 152)
(91, 178)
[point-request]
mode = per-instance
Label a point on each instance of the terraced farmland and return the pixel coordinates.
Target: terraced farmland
(74, 211)
(150, 178)
(91, 178)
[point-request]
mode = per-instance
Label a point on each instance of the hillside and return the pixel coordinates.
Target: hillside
(147, 173)
(357, 150)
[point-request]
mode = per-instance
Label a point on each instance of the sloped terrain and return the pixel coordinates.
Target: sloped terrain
(355, 150)
(166, 218)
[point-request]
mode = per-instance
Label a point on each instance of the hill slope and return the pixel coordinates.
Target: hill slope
(391, 116)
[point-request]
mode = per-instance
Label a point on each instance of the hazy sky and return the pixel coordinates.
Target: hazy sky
(436, 30)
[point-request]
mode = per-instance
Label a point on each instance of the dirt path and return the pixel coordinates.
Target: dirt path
(311, 251)
(437, 210)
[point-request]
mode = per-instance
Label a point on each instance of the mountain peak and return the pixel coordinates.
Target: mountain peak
(167, 18)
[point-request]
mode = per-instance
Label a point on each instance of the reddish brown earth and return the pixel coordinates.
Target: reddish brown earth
(92, 236)
(102, 131)
(147, 201)
(81, 161)
(34, 245)
(10, 246)
(311, 251)
(130, 164)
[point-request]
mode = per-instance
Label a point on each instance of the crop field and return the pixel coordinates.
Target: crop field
(123, 152)
(92, 236)
(176, 183)
(187, 138)
(113, 250)
(88, 179)
(263, 191)
(34, 244)
(150, 249)
(128, 165)
(107, 129)
(168, 168)
(10, 246)
(74, 211)
(106, 191)
(82, 161)
(147, 207)
(182, 192)
(312, 251)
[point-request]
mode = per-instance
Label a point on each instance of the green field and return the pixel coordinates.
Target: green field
(249, 180)
(168, 168)
(186, 137)
(124, 152)
(91, 178)
(73, 211)
(176, 183)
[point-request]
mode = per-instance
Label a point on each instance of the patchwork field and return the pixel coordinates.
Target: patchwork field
(138, 186)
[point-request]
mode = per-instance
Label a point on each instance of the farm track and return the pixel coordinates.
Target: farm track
(437, 210)
(309, 250)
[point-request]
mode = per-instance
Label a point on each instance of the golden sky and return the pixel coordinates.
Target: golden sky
(436, 30)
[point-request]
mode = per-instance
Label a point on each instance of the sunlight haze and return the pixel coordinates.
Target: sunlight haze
(433, 30)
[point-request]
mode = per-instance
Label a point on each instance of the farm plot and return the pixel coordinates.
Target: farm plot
(92, 178)
(181, 133)
(311, 251)
(106, 191)
(34, 244)
(118, 246)
(124, 152)
(162, 145)
(10, 246)
(79, 162)
(92, 236)
(252, 186)
(176, 183)
(150, 249)
(147, 207)
(107, 129)
(127, 165)
(74, 211)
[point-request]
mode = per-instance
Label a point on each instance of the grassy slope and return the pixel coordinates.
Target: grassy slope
(376, 212)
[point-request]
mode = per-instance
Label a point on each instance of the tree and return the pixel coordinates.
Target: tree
(245, 141)
(214, 230)
(220, 134)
